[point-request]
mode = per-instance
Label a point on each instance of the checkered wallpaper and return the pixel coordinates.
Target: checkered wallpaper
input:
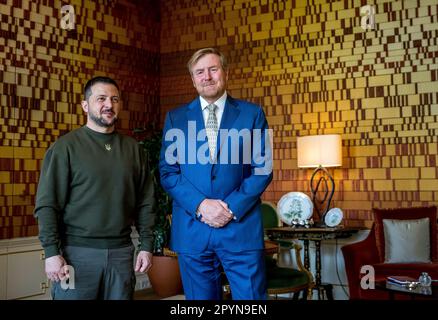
(43, 69)
(316, 71)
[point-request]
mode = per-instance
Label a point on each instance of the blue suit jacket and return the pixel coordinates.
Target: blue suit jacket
(190, 180)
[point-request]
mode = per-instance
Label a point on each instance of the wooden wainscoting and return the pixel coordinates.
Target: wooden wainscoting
(22, 273)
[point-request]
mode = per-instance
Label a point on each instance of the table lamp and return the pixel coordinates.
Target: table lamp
(320, 152)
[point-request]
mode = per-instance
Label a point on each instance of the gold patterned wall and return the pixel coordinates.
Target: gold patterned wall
(43, 69)
(316, 71)
(309, 63)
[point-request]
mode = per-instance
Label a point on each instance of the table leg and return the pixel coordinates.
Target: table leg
(318, 262)
(322, 288)
(306, 255)
(318, 269)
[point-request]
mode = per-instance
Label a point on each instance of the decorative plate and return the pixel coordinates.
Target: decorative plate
(295, 206)
(333, 217)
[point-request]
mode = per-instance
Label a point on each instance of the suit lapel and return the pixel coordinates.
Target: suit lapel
(194, 113)
(231, 112)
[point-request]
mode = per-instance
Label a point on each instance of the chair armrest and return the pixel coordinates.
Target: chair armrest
(297, 247)
(357, 255)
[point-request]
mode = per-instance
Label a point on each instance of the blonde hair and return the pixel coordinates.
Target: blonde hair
(202, 52)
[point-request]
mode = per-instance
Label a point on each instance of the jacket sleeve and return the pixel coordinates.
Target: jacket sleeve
(242, 199)
(172, 179)
(51, 197)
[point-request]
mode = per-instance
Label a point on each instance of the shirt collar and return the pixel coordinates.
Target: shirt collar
(220, 103)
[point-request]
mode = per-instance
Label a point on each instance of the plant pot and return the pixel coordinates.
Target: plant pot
(165, 277)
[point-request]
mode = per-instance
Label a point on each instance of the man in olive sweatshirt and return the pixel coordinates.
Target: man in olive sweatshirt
(94, 185)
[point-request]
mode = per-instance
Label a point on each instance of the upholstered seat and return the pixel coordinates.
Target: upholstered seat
(285, 280)
(372, 252)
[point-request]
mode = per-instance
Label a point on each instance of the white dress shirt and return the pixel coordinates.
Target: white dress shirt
(220, 103)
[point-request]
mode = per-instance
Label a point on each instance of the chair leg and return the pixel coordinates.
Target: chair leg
(328, 288)
(309, 293)
(296, 295)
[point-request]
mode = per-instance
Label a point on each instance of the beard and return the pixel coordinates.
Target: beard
(101, 122)
(210, 91)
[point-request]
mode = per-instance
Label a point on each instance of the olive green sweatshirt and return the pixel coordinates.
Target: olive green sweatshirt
(93, 187)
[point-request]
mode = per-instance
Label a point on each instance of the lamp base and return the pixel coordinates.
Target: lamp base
(320, 224)
(321, 204)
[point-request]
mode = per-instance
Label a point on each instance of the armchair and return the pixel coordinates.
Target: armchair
(372, 251)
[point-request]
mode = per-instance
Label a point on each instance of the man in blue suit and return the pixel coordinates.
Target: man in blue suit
(215, 162)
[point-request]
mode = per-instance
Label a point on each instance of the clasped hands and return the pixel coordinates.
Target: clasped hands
(215, 213)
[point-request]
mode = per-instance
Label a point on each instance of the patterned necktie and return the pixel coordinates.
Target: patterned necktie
(212, 129)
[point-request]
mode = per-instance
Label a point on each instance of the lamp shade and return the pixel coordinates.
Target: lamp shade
(319, 150)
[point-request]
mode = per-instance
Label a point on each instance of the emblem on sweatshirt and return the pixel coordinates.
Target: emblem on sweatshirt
(108, 147)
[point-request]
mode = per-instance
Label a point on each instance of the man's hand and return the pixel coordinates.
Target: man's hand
(55, 268)
(144, 261)
(215, 213)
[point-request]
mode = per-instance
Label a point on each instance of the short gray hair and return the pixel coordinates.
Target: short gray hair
(202, 52)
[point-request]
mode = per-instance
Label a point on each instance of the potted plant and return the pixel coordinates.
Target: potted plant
(164, 275)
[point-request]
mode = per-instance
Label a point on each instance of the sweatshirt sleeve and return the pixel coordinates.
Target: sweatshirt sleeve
(145, 206)
(51, 198)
